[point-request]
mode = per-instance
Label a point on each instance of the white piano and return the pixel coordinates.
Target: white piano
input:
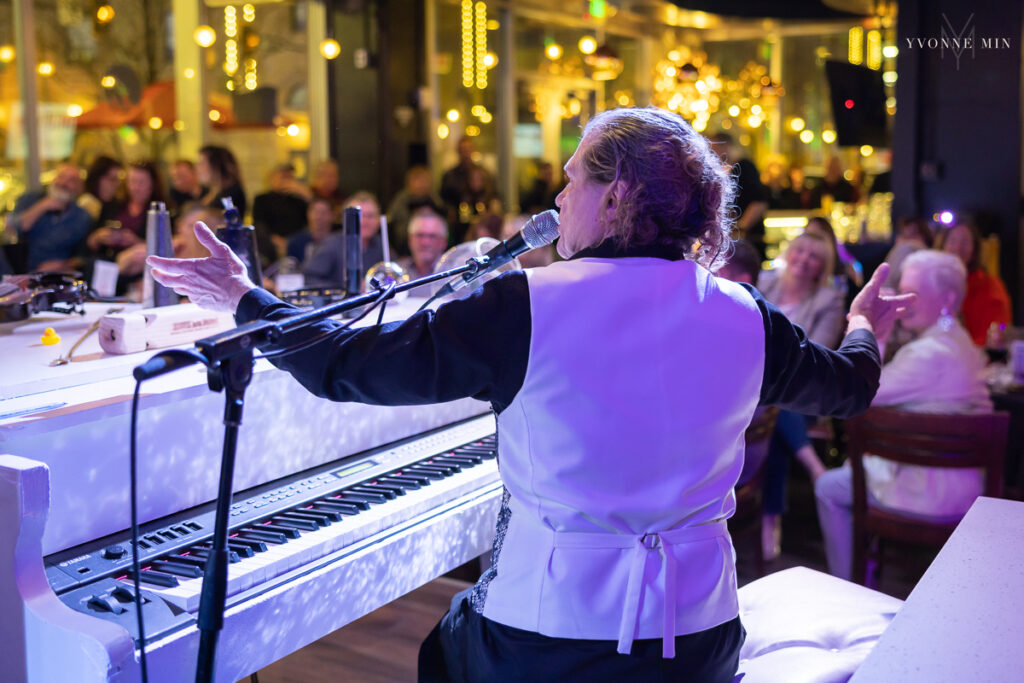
(317, 546)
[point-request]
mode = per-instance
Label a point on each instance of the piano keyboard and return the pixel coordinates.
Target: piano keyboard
(325, 515)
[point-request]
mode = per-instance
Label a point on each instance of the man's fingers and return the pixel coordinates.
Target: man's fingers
(209, 240)
(877, 279)
(165, 264)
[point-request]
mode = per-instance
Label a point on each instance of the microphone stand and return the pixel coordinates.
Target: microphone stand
(229, 358)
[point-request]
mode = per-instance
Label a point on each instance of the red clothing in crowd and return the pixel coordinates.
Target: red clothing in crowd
(986, 302)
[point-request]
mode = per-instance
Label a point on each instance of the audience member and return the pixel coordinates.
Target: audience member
(102, 187)
(833, 185)
(185, 243)
(847, 272)
(744, 264)
(326, 266)
(941, 371)
(280, 213)
(185, 185)
(751, 195)
(485, 225)
(541, 195)
(428, 239)
(324, 184)
(535, 258)
(912, 234)
(320, 224)
(467, 190)
(803, 293)
(219, 173)
(781, 192)
(51, 223)
(417, 193)
(987, 300)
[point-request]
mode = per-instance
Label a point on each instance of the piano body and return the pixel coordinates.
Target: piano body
(339, 509)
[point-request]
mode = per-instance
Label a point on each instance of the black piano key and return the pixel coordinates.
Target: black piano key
(425, 472)
(265, 536)
(287, 531)
(389, 492)
(350, 496)
(343, 508)
(156, 578)
(179, 569)
(483, 452)
(409, 481)
(296, 523)
(317, 517)
(188, 559)
(448, 469)
(332, 515)
(257, 546)
(468, 459)
(348, 500)
(204, 553)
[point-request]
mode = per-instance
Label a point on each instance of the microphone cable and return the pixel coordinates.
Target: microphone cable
(133, 475)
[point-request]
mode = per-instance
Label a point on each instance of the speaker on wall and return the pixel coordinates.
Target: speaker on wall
(858, 104)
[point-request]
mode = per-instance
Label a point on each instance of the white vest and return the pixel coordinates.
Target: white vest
(621, 450)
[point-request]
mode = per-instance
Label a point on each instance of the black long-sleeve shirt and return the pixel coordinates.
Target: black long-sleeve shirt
(479, 347)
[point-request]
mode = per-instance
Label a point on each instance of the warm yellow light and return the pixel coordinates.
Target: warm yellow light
(796, 124)
(745, 139)
(873, 59)
(553, 51)
(786, 222)
(452, 115)
(734, 110)
(104, 14)
(293, 130)
(486, 117)
(478, 110)
(190, 73)
(108, 82)
(493, 24)
(866, 150)
(214, 115)
(490, 60)
(45, 69)
(6, 54)
(828, 136)
(248, 13)
(330, 48)
(74, 110)
(204, 36)
(674, 55)
(179, 125)
(442, 131)
(472, 131)
(890, 51)
(855, 53)
(889, 77)
(700, 124)
(806, 137)
(753, 120)
(587, 45)
(756, 109)
(156, 123)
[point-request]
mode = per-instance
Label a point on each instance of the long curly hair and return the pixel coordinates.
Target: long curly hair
(673, 190)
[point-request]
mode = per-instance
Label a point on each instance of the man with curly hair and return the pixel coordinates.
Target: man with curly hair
(623, 379)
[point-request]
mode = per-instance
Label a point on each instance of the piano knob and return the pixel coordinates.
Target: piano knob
(113, 552)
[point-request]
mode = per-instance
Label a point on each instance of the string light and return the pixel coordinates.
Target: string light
(806, 137)
(6, 54)
(452, 115)
(796, 124)
(467, 43)
(104, 14)
(442, 131)
(481, 45)
(45, 69)
(874, 50)
(156, 123)
(108, 82)
(204, 36)
(74, 110)
(828, 136)
(587, 45)
(214, 115)
(553, 51)
(855, 38)
(248, 13)
(330, 48)
(190, 73)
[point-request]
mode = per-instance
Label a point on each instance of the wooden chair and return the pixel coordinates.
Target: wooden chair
(746, 521)
(924, 439)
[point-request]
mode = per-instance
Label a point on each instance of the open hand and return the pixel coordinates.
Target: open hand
(876, 311)
(217, 282)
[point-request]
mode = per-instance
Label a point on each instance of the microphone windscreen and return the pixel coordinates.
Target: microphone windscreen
(541, 229)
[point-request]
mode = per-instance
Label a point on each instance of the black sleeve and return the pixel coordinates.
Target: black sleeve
(805, 377)
(474, 347)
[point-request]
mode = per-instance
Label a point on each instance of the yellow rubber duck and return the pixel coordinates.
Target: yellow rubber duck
(50, 337)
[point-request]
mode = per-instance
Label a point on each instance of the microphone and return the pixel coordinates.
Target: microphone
(353, 270)
(540, 230)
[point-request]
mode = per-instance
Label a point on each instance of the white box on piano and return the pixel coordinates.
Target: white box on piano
(154, 328)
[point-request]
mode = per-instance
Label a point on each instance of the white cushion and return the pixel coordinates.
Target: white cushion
(804, 626)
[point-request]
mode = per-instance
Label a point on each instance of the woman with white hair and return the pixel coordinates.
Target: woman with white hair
(940, 371)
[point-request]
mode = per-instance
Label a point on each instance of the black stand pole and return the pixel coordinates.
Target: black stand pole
(234, 375)
(229, 358)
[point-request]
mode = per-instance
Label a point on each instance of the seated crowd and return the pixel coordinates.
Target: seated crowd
(934, 363)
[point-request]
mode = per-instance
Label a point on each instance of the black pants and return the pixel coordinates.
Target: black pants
(466, 647)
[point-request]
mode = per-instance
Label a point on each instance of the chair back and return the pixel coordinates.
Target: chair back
(926, 440)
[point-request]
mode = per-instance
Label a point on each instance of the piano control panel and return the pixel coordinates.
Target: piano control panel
(276, 528)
